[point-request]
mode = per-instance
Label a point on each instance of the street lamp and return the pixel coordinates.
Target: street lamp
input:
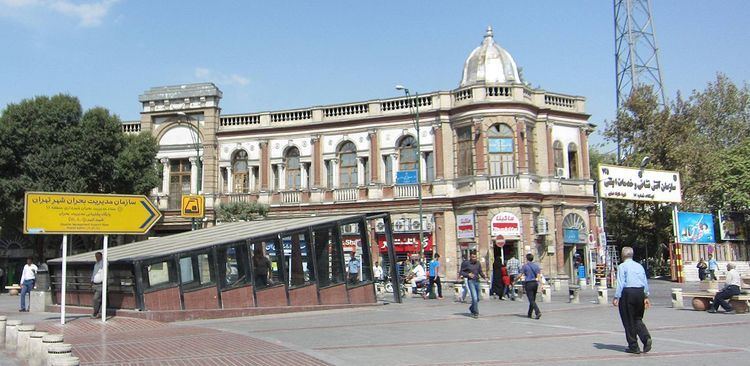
(419, 164)
(196, 142)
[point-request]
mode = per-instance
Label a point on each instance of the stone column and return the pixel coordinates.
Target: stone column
(335, 172)
(438, 151)
(264, 166)
(317, 161)
(251, 178)
(483, 235)
(282, 176)
(303, 175)
(423, 167)
(479, 135)
(559, 241)
(193, 174)
(550, 152)
(374, 157)
(394, 166)
(584, 163)
(165, 176)
(360, 170)
(521, 137)
(230, 180)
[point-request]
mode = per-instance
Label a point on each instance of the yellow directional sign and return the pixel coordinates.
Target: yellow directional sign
(193, 206)
(82, 213)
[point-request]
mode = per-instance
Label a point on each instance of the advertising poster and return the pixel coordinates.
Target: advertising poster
(506, 224)
(465, 226)
(695, 228)
(732, 226)
(617, 182)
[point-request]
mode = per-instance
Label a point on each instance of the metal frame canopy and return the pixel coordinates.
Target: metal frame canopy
(206, 238)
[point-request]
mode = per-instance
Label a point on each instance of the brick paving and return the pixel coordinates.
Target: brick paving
(130, 341)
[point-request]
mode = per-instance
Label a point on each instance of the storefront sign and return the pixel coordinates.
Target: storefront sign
(732, 226)
(465, 226)
(406, 243)
(695, 228)
(506, 224)
(639, 184)
(571, 236)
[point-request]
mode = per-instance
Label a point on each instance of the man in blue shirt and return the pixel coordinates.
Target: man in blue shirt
(631, 298)
(353, 268)
(435, 277)
(712, 267)
(530, 274)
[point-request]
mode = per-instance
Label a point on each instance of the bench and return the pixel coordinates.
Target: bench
(702, 301)
(13, 290)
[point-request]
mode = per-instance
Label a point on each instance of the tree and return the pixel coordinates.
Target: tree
(241, 211)
(49, 144)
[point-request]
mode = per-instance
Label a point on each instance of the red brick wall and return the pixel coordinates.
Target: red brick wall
(206, 298)
(362, 295)
(307, 295)
(241, 297)
(166, 299)
(334, 295)
(274, 296)
(120, 301)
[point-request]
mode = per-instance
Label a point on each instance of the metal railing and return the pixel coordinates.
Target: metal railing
(503, 182)
(345, 194)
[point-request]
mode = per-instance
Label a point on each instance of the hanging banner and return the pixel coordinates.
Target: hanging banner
(732, 226)
(406, 243)
(695, 228)
(506, 224)
(635, 184)
(465, 226)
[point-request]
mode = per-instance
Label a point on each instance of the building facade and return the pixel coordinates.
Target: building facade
(503, 167)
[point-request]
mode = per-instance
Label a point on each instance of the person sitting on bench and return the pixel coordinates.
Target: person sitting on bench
(731, 288)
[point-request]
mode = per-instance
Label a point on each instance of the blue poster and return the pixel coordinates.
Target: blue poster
(501, 145)
(695, 228)
(571, 236)
(406, 177)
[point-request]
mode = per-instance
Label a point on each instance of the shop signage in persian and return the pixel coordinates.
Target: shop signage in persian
(695, 228)
(465, 226)
(635, 184)
(406, 243)
(506, 224)
(732, 226)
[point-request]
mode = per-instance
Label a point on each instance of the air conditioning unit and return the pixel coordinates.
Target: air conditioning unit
(416, 225)
(560, 173)
(349, 229)
(380, 227)
(400, 225)
(542, 226)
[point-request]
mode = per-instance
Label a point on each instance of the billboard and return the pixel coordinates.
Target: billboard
(465, 226)
(732, 226)
(635, 184)
(695, 228)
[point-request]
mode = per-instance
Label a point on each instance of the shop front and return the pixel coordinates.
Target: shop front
(505, 235)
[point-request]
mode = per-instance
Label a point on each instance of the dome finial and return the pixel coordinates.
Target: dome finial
(489, 32)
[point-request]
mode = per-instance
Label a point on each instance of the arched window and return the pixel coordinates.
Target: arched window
(572, 160)
(501, 150)
(558, 155)
(574, 228)
(408, 154)
(292, 172)
(347, 165)
(240, 172)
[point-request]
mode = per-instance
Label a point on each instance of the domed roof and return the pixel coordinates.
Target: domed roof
(489, 63)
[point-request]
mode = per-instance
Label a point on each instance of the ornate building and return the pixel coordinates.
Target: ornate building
(498, 158)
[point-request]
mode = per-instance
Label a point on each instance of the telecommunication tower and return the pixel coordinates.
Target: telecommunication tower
(636, 53)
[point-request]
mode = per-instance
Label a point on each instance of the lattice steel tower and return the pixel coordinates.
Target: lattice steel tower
(636, 53)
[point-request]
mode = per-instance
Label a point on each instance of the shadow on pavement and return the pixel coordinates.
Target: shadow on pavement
(611, 347)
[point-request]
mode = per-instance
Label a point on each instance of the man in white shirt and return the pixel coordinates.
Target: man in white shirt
(731, 288)
(28, 278)
(418, 275)
(97, 277)
(377, 271)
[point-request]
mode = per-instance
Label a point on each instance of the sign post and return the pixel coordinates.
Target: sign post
(83, 213)
(500, 243)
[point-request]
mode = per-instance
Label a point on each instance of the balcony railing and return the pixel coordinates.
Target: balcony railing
(407, 191)
(345, 194)
(291, 197)
(503, 182)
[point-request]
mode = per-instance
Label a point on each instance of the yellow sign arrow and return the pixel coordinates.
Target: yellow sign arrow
(82, 213)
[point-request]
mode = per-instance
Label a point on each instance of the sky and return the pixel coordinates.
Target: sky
(272, 55)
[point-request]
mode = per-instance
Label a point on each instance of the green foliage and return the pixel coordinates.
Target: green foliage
(241, 211)
(49, 144)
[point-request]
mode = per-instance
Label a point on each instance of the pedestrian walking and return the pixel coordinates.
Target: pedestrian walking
(28, 278)
(472, 270)
(435, 277)
(531, 274)
(97, 277)
(731, 288)
(377, 271)
(496, 287)
(261, 268)
(506, 283)
(353, 268)
(514, 268)
(631, 298)
(702, 267)
(713, 267)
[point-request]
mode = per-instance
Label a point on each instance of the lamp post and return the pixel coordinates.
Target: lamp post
(196, 142)
(645, 162)
(419, 165)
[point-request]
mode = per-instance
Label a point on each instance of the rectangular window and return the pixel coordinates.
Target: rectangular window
(256, 180)
(388, 169)
(465, 159)
(329, 174)
(275, 172)
(328, 255)
(196, 271)
(429, 158)
(158, 273)
(298, 259)
(530, 150)
(366, 173)
(232, 266)
(266, 267)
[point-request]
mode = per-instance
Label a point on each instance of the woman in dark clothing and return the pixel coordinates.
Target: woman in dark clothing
(497, 279)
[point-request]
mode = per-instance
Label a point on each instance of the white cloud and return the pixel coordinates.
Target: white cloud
(205, 74)
(87, 13)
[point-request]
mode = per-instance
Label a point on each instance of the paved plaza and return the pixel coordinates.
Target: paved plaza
(417, 332)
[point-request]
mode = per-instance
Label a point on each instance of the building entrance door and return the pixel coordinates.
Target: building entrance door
(179, 182)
